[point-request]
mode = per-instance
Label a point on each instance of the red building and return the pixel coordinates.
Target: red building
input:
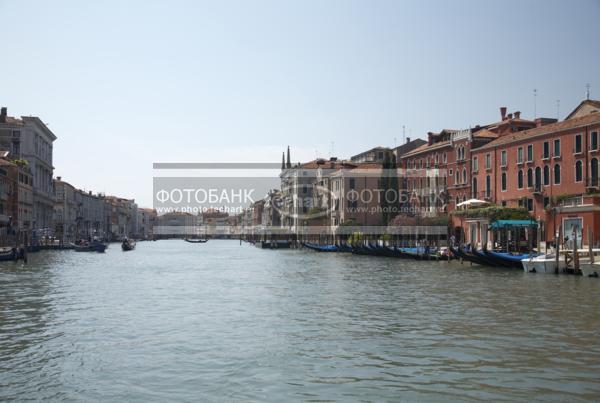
(550, 169)
(438, 175)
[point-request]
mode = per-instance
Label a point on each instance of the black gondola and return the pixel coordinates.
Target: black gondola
(196, 240)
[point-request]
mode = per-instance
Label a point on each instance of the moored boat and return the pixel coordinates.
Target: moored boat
(7, 254)
(93, 246)
(321, 248)
(508, 259)
(543, 264)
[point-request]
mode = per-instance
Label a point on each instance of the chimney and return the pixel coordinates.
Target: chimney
(59, 178)
(509, 116)
(518, 115)
(503, 112)
(430, 138)
(90, 192)
(3, 114)
(407, 140)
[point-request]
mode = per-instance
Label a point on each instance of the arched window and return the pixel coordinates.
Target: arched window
(557, 174)
(520, 179)
(457, 177)
(530, 178)
(464, 175)
(488, 186)
(578, 171)
(546, 175)
(474, 187)
(503, 181)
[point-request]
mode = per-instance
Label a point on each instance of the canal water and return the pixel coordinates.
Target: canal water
(224, 322)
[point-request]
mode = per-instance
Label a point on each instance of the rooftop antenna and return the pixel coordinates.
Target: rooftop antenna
(403, 134)
(558, 109)
(535, 103)
(394, 142)
(587, 91)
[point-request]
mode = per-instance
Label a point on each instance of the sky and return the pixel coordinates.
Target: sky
(126, 84)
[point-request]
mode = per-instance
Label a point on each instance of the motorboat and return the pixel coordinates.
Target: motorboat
(545, 263)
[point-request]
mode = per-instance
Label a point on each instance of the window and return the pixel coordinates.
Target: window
(457, 177)
(546, 175)
(503, 158)
(546, 201)
(529, 204)
(450, 173)
(557, 148)
(488, 186)
(578, 143)
(530, 178)
(488, 161)
(352, 183)
(464, 175)
(546, 150)
(519, 155)
(578, 171)
(503, 182)
(444, 158)
(557, 174)
(593, 140)
(475, 167)
(503, 203)
(530, 152)
(520, 179)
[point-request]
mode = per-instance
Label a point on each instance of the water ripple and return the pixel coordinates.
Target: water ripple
(220, 321)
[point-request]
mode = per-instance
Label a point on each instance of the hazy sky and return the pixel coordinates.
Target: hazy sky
(126, 84)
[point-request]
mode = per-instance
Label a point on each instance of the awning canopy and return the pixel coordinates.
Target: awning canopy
(512, 223)
(472, 203)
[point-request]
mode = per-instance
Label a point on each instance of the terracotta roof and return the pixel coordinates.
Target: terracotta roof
(485, 133)
(592, 102)
(408, 147)
(368, 165)
(325, 164)
(427, 148)
(583, 121)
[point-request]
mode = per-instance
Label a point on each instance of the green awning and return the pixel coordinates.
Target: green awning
(512, 223)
